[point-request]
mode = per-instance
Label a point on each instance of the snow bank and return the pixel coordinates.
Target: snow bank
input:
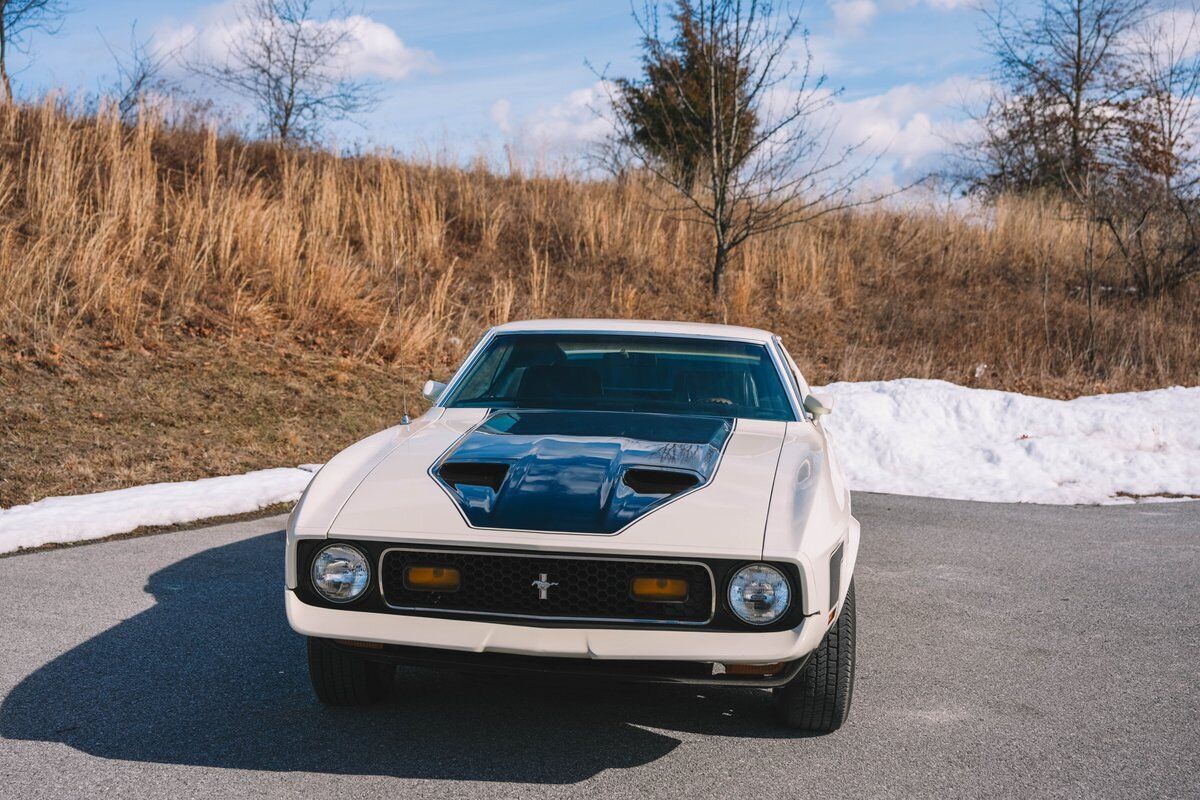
(928, 438)
(93, 516)
(936, 439)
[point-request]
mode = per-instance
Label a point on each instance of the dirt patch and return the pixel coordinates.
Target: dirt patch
(197, 409)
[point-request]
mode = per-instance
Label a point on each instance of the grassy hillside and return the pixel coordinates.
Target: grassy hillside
(174, 304)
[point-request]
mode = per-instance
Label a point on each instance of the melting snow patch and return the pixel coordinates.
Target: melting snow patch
(94, 516)
(936, 439)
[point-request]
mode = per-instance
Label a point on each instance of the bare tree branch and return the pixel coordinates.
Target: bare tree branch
(1063, 91)
(140, 74)
(1150, 205)
(733, 123)
(19, 19)
(291, 66)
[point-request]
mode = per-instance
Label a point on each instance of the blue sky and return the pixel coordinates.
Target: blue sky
(468, 77)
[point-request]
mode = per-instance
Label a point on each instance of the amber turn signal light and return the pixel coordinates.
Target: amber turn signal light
(659, 590)
(432, 579)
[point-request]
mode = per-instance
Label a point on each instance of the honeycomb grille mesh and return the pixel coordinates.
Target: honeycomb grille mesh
(585, 589)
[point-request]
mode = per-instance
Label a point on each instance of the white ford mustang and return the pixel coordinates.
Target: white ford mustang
(636, 500)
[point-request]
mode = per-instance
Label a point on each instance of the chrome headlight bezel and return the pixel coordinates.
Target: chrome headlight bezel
(358, 581)
(769, 584)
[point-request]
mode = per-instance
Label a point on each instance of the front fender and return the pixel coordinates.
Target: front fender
(810, 515)
(329, 489)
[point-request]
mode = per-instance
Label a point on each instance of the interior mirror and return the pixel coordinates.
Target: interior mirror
(818, 405)
(432, 390)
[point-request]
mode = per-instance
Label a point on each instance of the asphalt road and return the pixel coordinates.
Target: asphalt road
(1005, 651)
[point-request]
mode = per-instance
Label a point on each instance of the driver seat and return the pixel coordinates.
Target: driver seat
(698, 386)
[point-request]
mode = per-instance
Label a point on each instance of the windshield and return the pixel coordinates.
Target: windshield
(624, 372)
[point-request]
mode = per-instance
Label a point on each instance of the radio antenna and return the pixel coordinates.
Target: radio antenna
(405, 420)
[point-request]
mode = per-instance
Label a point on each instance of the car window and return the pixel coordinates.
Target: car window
(624, 372)
(802, 386)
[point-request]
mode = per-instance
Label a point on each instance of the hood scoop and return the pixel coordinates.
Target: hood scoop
(578, 471)
(658, 481)
(473, 473)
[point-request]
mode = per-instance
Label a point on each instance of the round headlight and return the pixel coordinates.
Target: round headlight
(340, 573)
(759, 594)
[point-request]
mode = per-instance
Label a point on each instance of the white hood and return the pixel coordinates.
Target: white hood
(398, 499)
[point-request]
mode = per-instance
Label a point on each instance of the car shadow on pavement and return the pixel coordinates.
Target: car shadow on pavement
(211, 675)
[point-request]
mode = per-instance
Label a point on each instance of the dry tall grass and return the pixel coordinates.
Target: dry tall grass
(135, 235)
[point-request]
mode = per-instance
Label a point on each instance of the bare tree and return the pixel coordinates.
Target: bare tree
(19, 19)
(141, 73)
(1165, 68)
(1152, 204)
(732, 122)
(1064, 90)
(291, 64)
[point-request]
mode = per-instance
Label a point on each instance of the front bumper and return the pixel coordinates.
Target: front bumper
(470, 636)
(696, 673)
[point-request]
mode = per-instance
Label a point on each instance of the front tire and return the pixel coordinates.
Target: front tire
(347, 679)
(818, 699)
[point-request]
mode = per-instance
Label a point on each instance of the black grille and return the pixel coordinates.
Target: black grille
(594, 589)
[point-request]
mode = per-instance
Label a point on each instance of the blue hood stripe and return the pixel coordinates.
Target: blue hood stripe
(578, 471)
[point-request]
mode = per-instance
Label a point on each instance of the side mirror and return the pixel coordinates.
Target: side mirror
(818, 405)
(432, 390)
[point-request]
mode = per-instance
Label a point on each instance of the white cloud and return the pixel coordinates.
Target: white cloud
(901, 134)
(850, 16)
(950, 5)
(910, 127)
(377, 51)
(825, 52)
(1168, 35)
(569, 127)
(936, 5)
(501, 114)
(373, 50)
(910, 120)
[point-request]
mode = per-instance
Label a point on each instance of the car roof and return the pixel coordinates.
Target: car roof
(705, 329)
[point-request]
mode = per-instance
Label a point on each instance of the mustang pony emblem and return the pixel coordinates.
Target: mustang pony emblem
(543, 585)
